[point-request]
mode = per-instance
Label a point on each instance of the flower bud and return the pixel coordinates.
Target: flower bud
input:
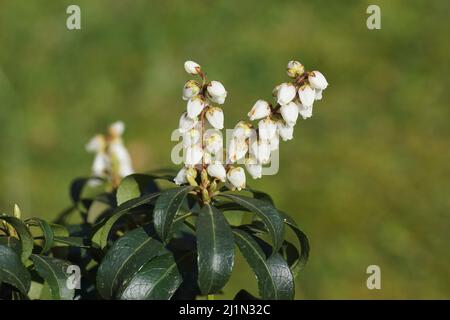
(254, 168)
(191, 89)
(238, 148)
(286, 93)
(186, 123)
(216, 92)
(236, 176)
(215, 117)
(96, 144)
(266, 129)
(191, 138)
(289, 112)
(217, 170)
(195, 106)
(191, 174)
(181, 178)
(261, 109)
(194, 155)
(213, 141)
(307, 95)
(285, 131)
(242, 130)
(317, 80)
(305, 112)
(294, 69)
(116, 129)
(192, 67)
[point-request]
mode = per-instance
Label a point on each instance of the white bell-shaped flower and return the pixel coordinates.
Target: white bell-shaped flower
(236, 176)
(317, 80)
(275, 142)
(195, 106)
(242, 130)
(213, 141)
(253, 167)
(120, 154)
(116, 129)
(101, 164)
(217, 170)
(96, 144)
(318, 94)
(294, 69)
(286, 93)
(192, 67)
(305, 112)
(181, 177)
(307, 95)
(186, 123)
(285, 131)
(261, 151)
(289, 112)
(191, 137)
(216, 92)
(266, 129)
(237, 149)
(215, 117)
(191, 89)
(193, 155)
(260, 109)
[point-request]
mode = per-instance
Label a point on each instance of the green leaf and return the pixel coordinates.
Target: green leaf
(266, 212)
(275, 280)
(12, 270)
(24, 234)
(166, 207)
(215, 248)
(124, 259)
(303, 244)
(53, 271)
(47, 232)
(13, 243)
(120, 212)
(261, 196)
(77, 242)
(133, 186)
(157, 280)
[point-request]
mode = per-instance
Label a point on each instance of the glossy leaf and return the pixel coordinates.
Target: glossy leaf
(53, 271)
(157, 280)
(275, 280)
(77, 242)
(47, 232)
(266, 212)
(166, 207)
(120, 212)
(215, 249)
(124, 259)
(300, 262)
(24, 234)
(133, 186)
(12, 270)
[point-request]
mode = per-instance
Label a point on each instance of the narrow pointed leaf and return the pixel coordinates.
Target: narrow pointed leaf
(77, 242)
(275, 280)
(53, 271)
(12, 270)
(166, 207)
(266, 212)
(24, 234)
(157, 280)
(124, 259)
(215, 248)
(47, 232)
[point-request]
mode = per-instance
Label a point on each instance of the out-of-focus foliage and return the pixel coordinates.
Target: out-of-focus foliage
(368, 176)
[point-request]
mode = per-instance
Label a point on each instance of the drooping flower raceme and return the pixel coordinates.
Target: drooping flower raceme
(206, 162)
(112, 160)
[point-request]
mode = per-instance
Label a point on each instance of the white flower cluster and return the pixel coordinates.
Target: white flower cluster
(202, 141)
(112, 159)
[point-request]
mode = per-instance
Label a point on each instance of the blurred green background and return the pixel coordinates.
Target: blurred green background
(367, 178)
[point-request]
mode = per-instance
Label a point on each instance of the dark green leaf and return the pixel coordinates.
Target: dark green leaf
(13, 243)
(303, 242)
(53, 271)
(215, 248)
(120, 212)
(124, 259)
(275, 280)
(133, 186)
(24, 234)
(78, 242)
(166, 207)
(266, 212)
(157, 280)
(12, 270)
(261, 196)
(47, 232)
